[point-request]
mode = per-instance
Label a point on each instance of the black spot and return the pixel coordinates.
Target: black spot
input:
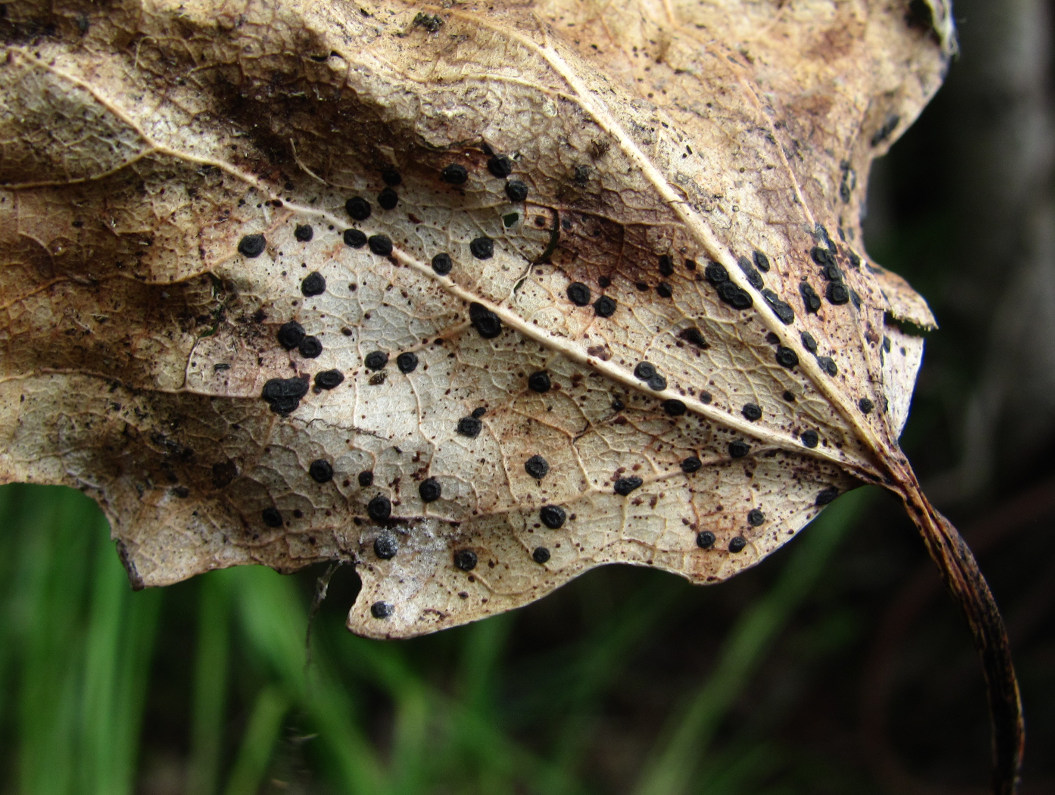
(604, 282)
(751, 411)
(737, 544)
(604, 306)
(309, 347)
(380, 245)
(271, 517)
(789, 396)
(407, 362)
(303, 232)
(313, 284)
(736, 297)
(485, 321)
(755, 517)
(716, 273)
(786, 357)
(391, 177)
(739, 449)
(666, 266)
(674, 407)
(387, 199)
(810, 438)
(886, 343)
(645, 370)
(469, 426)
(624, 486)
(321, 470)
(482, 247)
(837, 293)
(539, 382)
(290, 334)
(761, 261)
(442, 264)
(552, 516)
(540, 555)
(657, 383)
(691, 464)
(780, 308)
(754, 278)
(252, 246)
(865, 405)
(500, 165)
(430, 490)
(617, 404)
(810, 299)
(822, 256)
(379, 508)
(454, 174)
(809, 342)
(705, 540)
(693, 336)
(516, 190)
(354, 238)
(478, 412)
(825, 496)
(381, 609)
(664, 290)
(358, 208)
(386, 546)
(537, 467)
(283, 395)
(366, 478)
(578, 293)
(828, 364)
(376, 360)
(329, 379)
(465, 559)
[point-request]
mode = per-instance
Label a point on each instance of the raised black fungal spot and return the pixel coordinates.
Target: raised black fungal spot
(303, 232)
(865, 405)
(751, 411)
(674, 407)
(739, 449)
(386, 546)
(553, 516)
(809, 342)
(617, 405)
(469, 426)
(810, 438)
(789, 396)
(465, 559)
(442, 264)
(407, 362)
(387, 199)
(516, 190)
(252, 246)
(822, 256)
(283, 395)
(539, 382)
(828, 364)
(313, 284)
(691, 464)
(657, 383)
(290, 334)
(500, 165)
(391, 177)
(376, 360)
(309, 347)
(430, 22)
(826, 496)
(737, 544)
(329, 379)
(482, 247)
(705, 540)
(664, 290)
(780, 308)
(666, 266)
(381, 610)
(379, 508)
(271, 517)
(578, 293)
(810, 299)
(540, 555)
(754, 278)
(321, 470)
(354, 238)
(755, 517)
(624, 486)
(693, 336)
(366, 478)
(478, 412)
(485, 321)
(537, 467)
(786, 357)
(430, 490)
(604, 306)
(644, 371)
(380, 245)
(454, 174)
(358, 208)
(837, 293)
(736, 297)
(604, 282)
(761, 261)
(716, 273)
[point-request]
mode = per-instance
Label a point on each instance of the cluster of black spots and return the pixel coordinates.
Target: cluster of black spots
(366, 478)
(387, 199)
(828, 364)
(321, 470)
(761, 261)
(693, 336)
(380, 245)
(516, 190)
(329, 379)
(252, 246)
(809, 342)
(313, 284)
(482, 247)
(441, 264)
(737, 544)
(837, 293)
(786, 357)
(539, 382)
(738, 449)
(780, 308)
(430, 490)
(386, 546)
(290, 334)
(810, 438)
(407, 362)
(604, 306)
(391, 177)
(358, 208)
(381, 610)
(624, 486)
(865, 405)
(674, 407)
(691, 464)
(579, 293)
(540, 555)
(271, 517)
(755, 517)
(454, 174)
(310, 347)
(485, 321)
(303, 232)
(664, 290)
(376, 360)
(705, 540)
(728, 292)
(825, 496)
(469, 426)
(465, 559)
(823, 257)
(500, 166)
(537, 467)
(666, 265)
(754, 278)
(379, 508)
(751, 411)
(354, 238)
(810, 299)
(553, 516)
(283, 395)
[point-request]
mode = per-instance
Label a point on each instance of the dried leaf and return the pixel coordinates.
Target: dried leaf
(474, 297)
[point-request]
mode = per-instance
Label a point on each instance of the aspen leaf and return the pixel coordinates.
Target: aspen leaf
(475, 297)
